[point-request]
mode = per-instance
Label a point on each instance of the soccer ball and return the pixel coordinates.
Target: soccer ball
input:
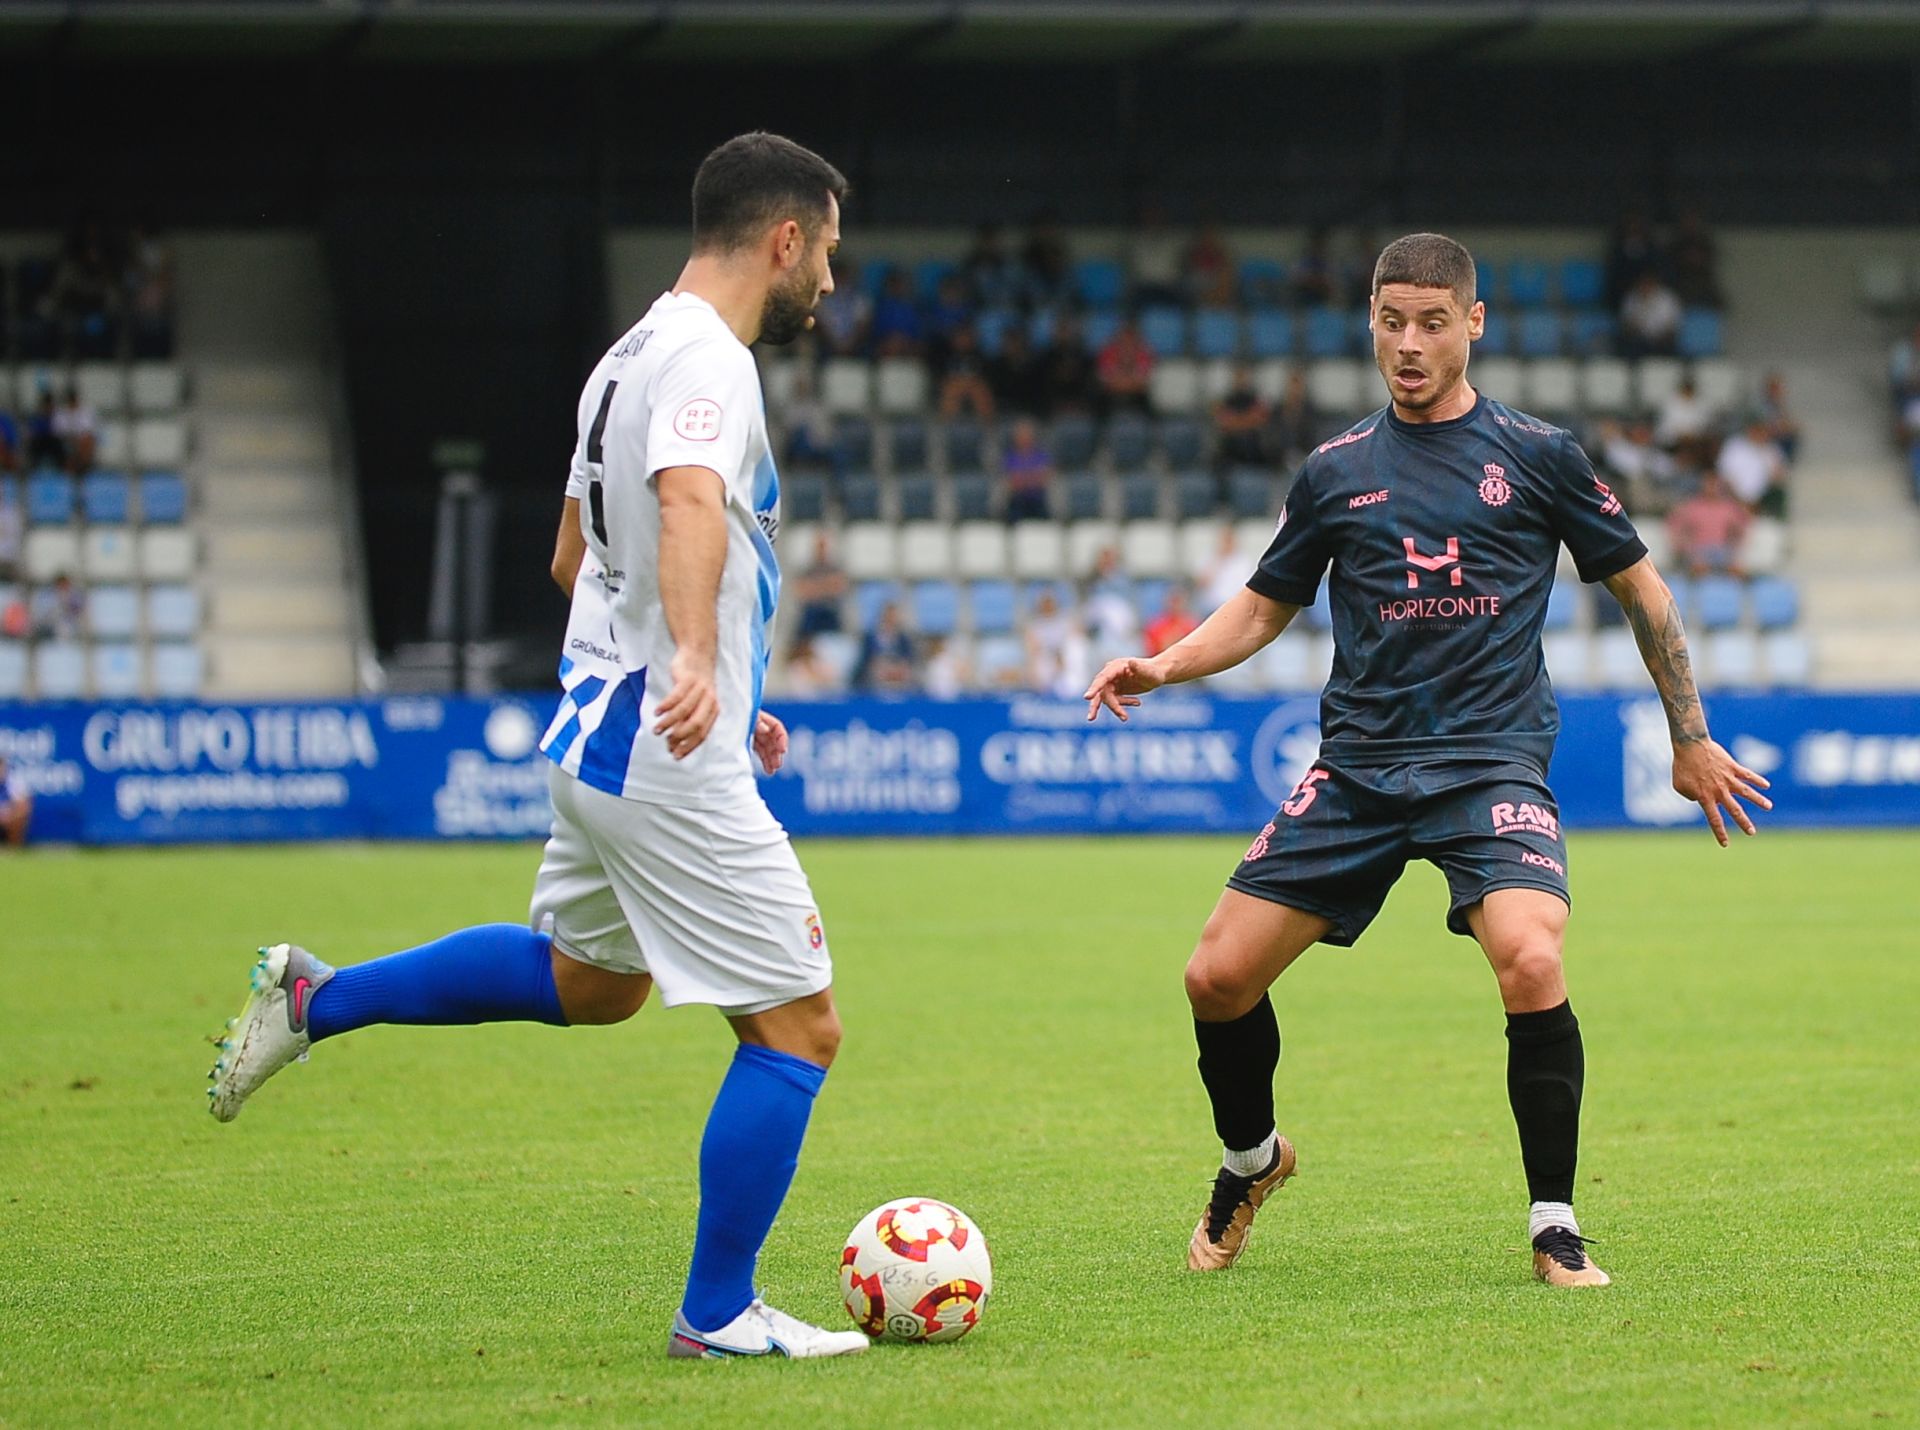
(915, 1270)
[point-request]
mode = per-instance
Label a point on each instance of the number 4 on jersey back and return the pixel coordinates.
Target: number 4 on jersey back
(596, 495)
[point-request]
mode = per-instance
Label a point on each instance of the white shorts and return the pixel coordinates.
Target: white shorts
(711, 902)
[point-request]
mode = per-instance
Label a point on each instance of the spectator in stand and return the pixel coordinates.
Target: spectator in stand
(808, 674)
(1296, 430)
(964, 383)
(1240, 419)
(947, 674)
(1153, 259)
(948, 311)
(57, 610)
(1226, 572)
(1649, 319)
(79, 431)
(1112, 618)
(1687, 427)
(1314, 280)
(1207, 269)
(1174, 622)
(1709, 528)
(1016, 375)
(1046, 264)
(16, 806)
(1632, 252)
(1027, 467)
(1692, 263)
(149, 288)
(820, 590)
(898, 329)
(1753, 468)
(844, 318)
(1780, 420)
(809, 429)
(86, 285)
(1069, 383)
(10, 537)
(1126, 370)
(1059, 660)
(991, 274)
(10, 452)
(886, 655)
(1361, 261)
(1640, 468)
(44, 447)
(15, 623)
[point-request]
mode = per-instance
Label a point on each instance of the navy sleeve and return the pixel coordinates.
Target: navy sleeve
(1297, 558)
(1588, 517)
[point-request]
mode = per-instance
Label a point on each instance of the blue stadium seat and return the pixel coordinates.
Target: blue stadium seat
(853, 444)
(965, 447)
(1270, 333)
(1252, 492)
(1776, 603)
(1085, 496)
(1061, 591)
(860, 499)
(972, 498)
(1127, 442)
(1216, 333)
(1195, 494)
(1326, 332)
(176, 670)
(116, 671)
(919, 497)
(105, 497)
(869, 597)
(873, 277)
(1540, 333)
(13, 669)
(1098, 327)
(9, 488)
(936, 608)
(1527, 283)
(1582, 283)
(928, 274)
(1262, 280)
(1563, 606)
(1718, 602)
(1165, 330)
(113, 612)
(1497, 339)
(173, 612)
(1593, 332)
(803, 497)
(1702, 334)
(60, 670)
(1319, 616)
(1182, 441)
(1139, 498)
(1040, 327)
(1149, 595)
(907, 444)
(49, 498)
(993, 606)
(1099, 282)
(1072, 438)
(991, 325)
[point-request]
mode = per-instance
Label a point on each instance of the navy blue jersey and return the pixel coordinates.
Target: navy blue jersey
(1443, 538)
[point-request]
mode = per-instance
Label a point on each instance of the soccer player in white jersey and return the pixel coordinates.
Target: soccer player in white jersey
(664, 865)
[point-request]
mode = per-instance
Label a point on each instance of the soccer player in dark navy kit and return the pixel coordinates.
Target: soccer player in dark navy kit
(1441, 517)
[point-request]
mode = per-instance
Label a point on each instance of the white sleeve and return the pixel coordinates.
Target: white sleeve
(577, 474)
(706, 399)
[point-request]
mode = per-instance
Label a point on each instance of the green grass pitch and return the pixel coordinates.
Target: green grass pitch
(477, 1226)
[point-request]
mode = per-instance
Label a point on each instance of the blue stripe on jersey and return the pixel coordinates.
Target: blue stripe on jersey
(609, 749)
(572, 702)
(766, 506)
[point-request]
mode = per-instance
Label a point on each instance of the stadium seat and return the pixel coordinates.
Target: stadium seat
(1127, 442)
(1270, 333)
(1617, 660)
(1038, 549)
(1592, 332)
(1654, 379)
(870, 597)
(1552, 385)
(1098, 327)
(116, 671)
(936, 608)
(907, 445)
(870, 549)
(1072, 442)
(1216, 333)
(166, 554)
(1139, 498)
(779, 376)
(1195, 494)
(32, 379)
(1327, 333)
(1086, 497)
(1150, 594)
(1702, 334)
(860, 499)
(846, 385)
(1283, 664)
(102, 386)
(163, 498)
(1182, 441)
(13, 670)
(1528, 283)
(1174, 385)
(1199, 539)
(900, 385)
(925, 549)
(1776, 603)
(113, 613)
(50, 498)
(1000, 660)
(50, 552)
(1262, 281)
(1583, 283)
(972, 497)
(1099, 282)
(1252, 492)
(980, 549)
(1336, 385)
(1606, 385)
(1788, 658)
(919, 497)
(173, 612)
(1721, 384)
(1718, 602)
(1682, 588)
(1269, 379)
(176, 670)
(839, 651)
(1733, 660)
(1569, 665)
(159, 442)
(993, 608)
(1563, 607)
(1165, 329)
(991, 325)
(1765, 549)
(1502, 379)
(853, 445)
(964, 446)
(1085, 541)
(106, 498)
(803, 497)
(1541, 333)
(60, 670)
(1148, 548)
(1061, 591)
(108, 553)
(1653, 535)
(1496, 337)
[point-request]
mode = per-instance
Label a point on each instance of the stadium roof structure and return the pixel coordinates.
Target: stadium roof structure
(646, 32)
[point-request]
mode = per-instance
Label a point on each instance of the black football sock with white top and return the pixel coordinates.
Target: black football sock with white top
(1237, 1063)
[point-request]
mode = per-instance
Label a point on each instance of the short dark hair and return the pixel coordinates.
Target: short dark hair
(1427, 260)
(755, 180)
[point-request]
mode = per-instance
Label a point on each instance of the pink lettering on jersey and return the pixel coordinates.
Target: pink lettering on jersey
(1368, 499)
(1525, 818)
(698, 420)
(1449, 557)
(1609, 503)
(1343, 441)
(1436, 608)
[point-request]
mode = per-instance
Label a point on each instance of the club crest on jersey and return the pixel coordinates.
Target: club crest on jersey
(1494, 490)
(698, 420)
(815, 938)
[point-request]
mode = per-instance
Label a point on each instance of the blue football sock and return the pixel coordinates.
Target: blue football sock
(747, 1158)
(495, 973)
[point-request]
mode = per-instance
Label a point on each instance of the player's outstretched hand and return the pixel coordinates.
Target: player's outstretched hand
(1120, 684)
(686, 716)
(1711, 778)
(770, 742)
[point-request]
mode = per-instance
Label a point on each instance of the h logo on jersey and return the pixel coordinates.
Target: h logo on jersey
(1450, 557)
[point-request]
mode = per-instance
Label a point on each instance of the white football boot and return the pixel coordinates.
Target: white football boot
(762, 1331)
(271, 1030)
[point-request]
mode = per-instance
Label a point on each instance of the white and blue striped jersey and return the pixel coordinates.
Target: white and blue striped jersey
(678, 390)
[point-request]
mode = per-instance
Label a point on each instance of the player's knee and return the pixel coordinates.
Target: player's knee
(1215, 995)
(822, 1037)
(1532, 964)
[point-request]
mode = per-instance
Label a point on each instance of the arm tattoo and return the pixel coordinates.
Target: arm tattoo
(1663, 646)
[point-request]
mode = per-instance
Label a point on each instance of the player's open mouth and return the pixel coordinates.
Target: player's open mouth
(1410, 378)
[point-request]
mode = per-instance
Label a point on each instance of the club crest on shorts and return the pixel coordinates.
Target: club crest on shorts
(1494, 490)
(815, 938)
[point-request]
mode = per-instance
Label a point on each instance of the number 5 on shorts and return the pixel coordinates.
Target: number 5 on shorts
(1304, 793)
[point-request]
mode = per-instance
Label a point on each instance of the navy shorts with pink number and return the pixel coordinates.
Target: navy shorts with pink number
(1339, 842)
